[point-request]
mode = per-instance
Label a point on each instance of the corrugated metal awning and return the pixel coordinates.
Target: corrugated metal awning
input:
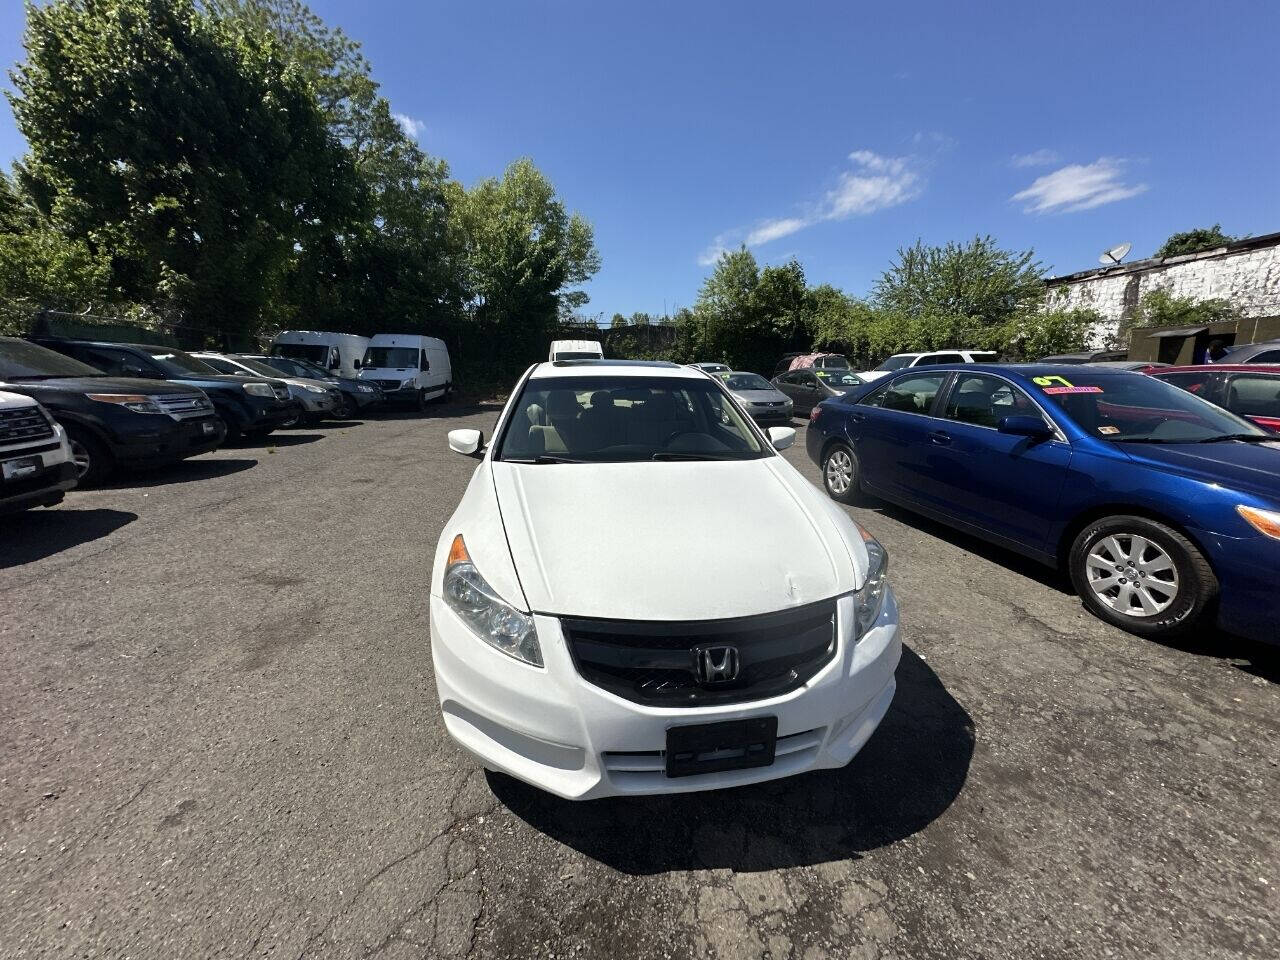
(1179, 332)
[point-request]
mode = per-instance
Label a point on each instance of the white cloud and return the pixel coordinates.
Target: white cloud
(775, 230)
(1079, 187)
(873, 183)
(411, 127)
(1037, 158)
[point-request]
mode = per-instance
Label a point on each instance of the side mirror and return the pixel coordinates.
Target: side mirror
(781, 437)
(470, 443)
(1026, 426)
(356, 362)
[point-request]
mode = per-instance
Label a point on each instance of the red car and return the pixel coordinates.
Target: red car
(1249, 389)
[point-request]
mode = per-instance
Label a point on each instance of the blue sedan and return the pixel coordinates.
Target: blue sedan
(1163, 508)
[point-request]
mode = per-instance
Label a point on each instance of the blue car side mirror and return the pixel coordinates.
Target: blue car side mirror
(1025, 426)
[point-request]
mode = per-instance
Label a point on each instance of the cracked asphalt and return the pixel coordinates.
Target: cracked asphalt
(221, 739)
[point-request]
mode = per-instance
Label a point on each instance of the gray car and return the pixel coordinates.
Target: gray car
(1266, 352)
(758, 397)
(316, 399)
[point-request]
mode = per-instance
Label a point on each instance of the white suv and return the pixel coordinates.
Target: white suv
(35, 459)
(638, 595)
(900, 361)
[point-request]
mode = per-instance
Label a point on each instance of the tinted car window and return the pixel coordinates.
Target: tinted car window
(1192, 382)
(179, 362)
(19, 359)
(745, 381)
(1255, 395)
(984, 401)
(940, 358)
(839, 379)
(896, 362)
(1269, 356)
(909, 394)
(222, 366)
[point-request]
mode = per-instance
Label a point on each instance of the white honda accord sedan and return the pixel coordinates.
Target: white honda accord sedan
(638, 595)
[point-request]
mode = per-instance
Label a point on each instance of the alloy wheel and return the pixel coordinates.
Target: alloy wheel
(81, 458)
(1132, 574)
(839, 472)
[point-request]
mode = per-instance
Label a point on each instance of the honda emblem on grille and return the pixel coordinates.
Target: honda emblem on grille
(716, 664)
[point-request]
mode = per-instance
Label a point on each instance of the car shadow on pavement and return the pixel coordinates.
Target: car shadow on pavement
(36, 534)
(907, 775)
(341, 424)
(184, 471)
(275, 440)
(1250, 656)
(441, 411)
(1016, 562)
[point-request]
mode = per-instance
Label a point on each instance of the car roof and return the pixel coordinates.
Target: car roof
(1020, 369)
(613, 368)
(1217, 367)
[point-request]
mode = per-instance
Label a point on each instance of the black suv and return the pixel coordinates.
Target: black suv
(251, 408)
(111, 421)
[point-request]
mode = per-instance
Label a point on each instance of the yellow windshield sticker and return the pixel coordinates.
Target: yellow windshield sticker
(1050, 381)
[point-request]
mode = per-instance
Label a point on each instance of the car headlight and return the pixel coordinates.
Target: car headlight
(364, 388)
(869, 600)
(312, 388)
(495, 622)
(1266, 522)
(406, 384)
(258, 389)
(132, 401)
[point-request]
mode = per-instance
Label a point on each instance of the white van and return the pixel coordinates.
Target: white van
(339, 353)
(408, 367)
(576, 350)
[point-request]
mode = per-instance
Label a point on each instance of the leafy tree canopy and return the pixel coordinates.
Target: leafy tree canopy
(1193, 241)
(1159, 308)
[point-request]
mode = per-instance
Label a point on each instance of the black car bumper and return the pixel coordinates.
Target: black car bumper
(41, 489)
(270, 414)
(182, 439)
(772, 417)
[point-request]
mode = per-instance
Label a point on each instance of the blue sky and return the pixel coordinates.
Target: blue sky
(837, 132)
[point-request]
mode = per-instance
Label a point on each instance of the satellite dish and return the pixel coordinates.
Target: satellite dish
(1115, 254)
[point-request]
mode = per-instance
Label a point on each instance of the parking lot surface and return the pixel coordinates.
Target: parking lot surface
(221, 739)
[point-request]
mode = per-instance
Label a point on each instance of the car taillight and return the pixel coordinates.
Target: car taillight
(813, 414)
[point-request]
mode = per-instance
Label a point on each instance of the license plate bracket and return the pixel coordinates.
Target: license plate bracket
(22, 467)
(727, 745)
(207, 427)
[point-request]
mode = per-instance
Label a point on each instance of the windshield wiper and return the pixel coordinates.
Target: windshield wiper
(544, 458)
(676, 455)
(1145, 440)
(1242, 437)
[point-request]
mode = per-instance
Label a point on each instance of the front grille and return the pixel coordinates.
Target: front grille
(770, 403)
(388, 384)
(657, 663)
(282, 393)
(184, 406)
(24, 425)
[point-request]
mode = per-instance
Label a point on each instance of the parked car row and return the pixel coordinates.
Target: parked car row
(74, 411)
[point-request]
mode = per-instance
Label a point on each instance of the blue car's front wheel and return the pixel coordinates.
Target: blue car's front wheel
(1141, 575)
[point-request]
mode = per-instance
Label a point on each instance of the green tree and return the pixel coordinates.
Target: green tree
(1193, 241)
(618, 321)
(183, 146)
(1038, 333)
(959, 290)
(524, 254)
(1159, 308)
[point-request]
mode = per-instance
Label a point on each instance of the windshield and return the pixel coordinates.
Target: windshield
(838, 380)
(176, 361)
(311, 370)
(1133, 407)
(258, 367)
(315, 352)
(746, 381)
(381, 358)
(834, 361)
(223, 366)
(576, 355)
(615, 419)
(20, 360)
(897, 363)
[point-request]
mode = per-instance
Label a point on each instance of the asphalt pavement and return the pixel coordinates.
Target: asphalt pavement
(219, 737)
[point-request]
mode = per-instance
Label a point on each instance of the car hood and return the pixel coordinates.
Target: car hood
(669, 541)
(759, 396)
(1254, 467)
(139, 385)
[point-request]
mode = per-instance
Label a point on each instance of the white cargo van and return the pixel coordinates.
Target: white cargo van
(339, 353)
(576, 350)
(408, 367)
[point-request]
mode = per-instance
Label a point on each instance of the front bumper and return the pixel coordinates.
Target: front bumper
(170, 442)
(551, 728)
(46, 487)
(775, 415)
(318, 402)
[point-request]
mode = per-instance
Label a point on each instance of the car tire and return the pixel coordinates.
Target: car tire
(840, 474)
(94, 463)
(1174, 584)
(420, 401)
(228, 421)
(350, 409)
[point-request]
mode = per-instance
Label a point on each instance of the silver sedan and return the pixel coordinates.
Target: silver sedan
(758, 397)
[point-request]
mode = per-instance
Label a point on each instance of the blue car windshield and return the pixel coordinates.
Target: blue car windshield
(1135, 408)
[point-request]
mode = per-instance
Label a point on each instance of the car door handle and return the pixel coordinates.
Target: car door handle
(857, 417)
(940, 436)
